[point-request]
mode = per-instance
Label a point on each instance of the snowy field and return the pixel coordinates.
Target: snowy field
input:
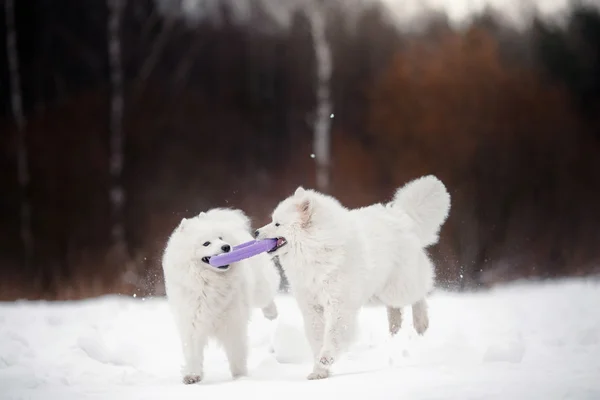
(523, 341)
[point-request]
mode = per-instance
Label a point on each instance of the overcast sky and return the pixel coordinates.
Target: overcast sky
(459, 10)
(402, 10)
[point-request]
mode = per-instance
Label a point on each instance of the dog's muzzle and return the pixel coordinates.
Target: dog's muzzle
(281, 241)
(206, 260)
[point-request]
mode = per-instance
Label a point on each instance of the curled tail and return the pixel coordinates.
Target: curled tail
(427, 202)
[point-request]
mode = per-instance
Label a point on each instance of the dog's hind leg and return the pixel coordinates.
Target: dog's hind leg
(420, 316)
(394, 315)
(270, 311)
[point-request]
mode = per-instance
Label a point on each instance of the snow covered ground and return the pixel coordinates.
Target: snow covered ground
(523, 341)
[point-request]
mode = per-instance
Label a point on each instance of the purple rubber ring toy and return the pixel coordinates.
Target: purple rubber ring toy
(243, 251)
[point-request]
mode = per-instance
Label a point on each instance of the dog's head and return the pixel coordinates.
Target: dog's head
(198, 239)
(306, 216)
(229, 219)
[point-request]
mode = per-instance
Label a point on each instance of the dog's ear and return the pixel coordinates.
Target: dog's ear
(182, 224)
(300, 191)
(241, 219)
(305, 208)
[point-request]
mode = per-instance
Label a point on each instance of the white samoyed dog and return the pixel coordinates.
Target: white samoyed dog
(215, 303)
(338, 260)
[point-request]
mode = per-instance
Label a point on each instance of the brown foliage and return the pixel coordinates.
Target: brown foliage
(224, 115)
(491, 131)
(439, 101)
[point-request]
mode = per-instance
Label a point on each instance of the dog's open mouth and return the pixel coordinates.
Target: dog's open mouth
(280, 243)
(207, 261)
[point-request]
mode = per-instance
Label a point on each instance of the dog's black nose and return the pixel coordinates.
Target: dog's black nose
(226, 248)
(256, 233)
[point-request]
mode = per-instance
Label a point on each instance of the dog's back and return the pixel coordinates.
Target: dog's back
(387, 238)
(395, 235)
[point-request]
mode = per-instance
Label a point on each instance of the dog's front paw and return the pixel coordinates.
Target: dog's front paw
(239, 373)
(270, 315)
(191, 379)
(318, 374)
(394, 320)
(321, 368)
(421, 324)
(270, 312)
(326, 360)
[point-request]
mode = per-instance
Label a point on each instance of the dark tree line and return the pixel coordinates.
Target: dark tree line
(222, 114)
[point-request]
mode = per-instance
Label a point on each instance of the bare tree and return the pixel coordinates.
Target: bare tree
(19, 116)
(116, 191)
(322, 122)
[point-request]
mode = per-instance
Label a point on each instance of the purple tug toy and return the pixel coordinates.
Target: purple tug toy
(243, 251)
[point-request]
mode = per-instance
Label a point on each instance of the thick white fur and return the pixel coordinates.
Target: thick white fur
(338, 260)
(210, 303)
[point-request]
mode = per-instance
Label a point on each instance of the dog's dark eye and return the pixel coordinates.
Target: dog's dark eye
(206, 244)
(276, 223)
(220, 238)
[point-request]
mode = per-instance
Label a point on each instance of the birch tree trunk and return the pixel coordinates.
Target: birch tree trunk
(323, 115)
(17, 110)
(116, 158)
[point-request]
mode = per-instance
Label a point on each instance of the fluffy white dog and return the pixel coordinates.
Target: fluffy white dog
(338, 260)
(209, 302)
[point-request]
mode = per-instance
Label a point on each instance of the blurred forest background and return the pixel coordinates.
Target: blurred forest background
(118, 118)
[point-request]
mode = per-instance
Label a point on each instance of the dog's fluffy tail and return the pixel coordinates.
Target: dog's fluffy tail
(427, 202)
